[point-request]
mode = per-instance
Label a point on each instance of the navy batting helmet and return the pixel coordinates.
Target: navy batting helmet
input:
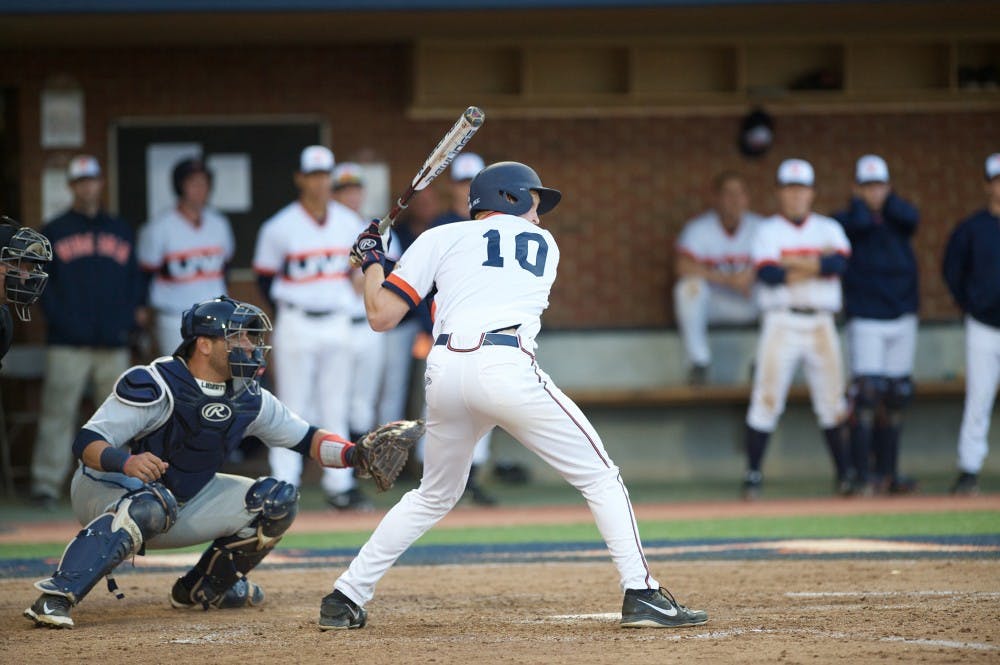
(187, 168)
(242, 325)
(24, 254)
(506, 187)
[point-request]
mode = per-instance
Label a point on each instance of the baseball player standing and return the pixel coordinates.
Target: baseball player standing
(302, 264)
(493, 277)
(714, 272)
(972, 271)
(466, 167)
(799, 256)
(150, 458)
(185, 251)
(881, 299)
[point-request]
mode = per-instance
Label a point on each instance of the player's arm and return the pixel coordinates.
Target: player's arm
(953, 267)
(137, 405)
(388, 299)
(901, 214)
(856, 218)
(278, 426)
(385, 307)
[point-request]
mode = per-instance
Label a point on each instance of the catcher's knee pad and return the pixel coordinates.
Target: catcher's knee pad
(110, 538)
(276, 504)
(866, 392)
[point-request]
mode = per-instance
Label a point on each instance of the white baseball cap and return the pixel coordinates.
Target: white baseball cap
(466, 166)
(871, 168)
(316, 158)
(795, 172)
(83, 166)
(347, 174)
(993, 166)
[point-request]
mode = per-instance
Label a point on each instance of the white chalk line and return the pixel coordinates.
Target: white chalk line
(888, 594)
(736, 632)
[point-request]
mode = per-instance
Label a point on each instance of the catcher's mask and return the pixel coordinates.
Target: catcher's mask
(24, 256)
(242, 325)
(506, 187)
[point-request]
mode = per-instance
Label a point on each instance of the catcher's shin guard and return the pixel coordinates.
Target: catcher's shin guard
(230, 558)
(109, 539)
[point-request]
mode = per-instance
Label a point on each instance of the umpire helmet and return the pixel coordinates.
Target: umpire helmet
(24, 254)
(506, 187)
(242, 325)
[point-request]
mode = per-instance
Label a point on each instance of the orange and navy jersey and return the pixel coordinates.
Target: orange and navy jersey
(187, 259)
(309, 258)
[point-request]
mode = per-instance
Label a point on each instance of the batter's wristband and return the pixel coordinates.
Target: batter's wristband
(113, 459)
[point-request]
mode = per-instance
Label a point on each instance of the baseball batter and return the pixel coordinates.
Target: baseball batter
(185, 251)
(715, 275)
(972, 272)
(492, 277)
(881, 299)
(150, 459)
(799, 257)
(302, 264)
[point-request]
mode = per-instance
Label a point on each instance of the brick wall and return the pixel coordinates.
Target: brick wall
(628, 183)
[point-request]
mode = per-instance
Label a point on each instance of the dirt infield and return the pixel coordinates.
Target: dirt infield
(787, 612)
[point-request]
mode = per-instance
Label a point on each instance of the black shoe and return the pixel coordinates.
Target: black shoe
(51, 611)
(656, 608)
(243, 593)
(903, 485)
(966, 484)
(352, 499)
(697, 375)
(44, 502)
(752, 483)
(338, 612)
(478, 496)
(511, 473)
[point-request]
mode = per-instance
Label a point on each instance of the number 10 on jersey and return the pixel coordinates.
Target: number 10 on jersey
(522, 247)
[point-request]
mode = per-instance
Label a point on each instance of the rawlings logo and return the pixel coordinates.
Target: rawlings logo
(366, 244)
(216, 412)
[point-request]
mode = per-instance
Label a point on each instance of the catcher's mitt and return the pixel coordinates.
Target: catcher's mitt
(382, 453)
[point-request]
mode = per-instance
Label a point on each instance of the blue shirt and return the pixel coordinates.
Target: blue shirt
(881, 281)
(972, 267)
(94, 281)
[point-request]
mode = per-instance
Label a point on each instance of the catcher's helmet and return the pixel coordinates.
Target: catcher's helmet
(506, 187)
(185, 169)
(242, 325)
(24, 254)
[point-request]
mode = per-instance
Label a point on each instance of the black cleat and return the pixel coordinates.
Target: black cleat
(338, 612)
(656, 608)
(966, 484)
(352, 499)
(752, 483)
(51, 611)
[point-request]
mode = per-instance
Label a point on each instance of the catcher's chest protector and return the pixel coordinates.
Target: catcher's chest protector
(201, 433)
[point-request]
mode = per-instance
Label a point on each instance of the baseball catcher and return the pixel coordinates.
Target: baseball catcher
(150, 459)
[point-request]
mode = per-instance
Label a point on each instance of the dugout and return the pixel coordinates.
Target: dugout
(628, 107)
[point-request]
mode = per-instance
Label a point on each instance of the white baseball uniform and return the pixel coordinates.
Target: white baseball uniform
(798, 323)
(188, 261)
(314, 297)
(697, 302)
(494, 274)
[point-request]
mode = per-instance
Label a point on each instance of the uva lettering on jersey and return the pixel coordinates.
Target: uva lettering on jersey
(318, 264)
(83, 245)
(203, 263)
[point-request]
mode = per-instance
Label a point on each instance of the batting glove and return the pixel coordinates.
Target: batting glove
(368, 248)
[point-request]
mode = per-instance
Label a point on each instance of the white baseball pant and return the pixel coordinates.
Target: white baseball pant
(368, 351)
(697, 303)
(882, 347)
(312, 363)
(982, 376)
(468, 393)
(786, 339)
